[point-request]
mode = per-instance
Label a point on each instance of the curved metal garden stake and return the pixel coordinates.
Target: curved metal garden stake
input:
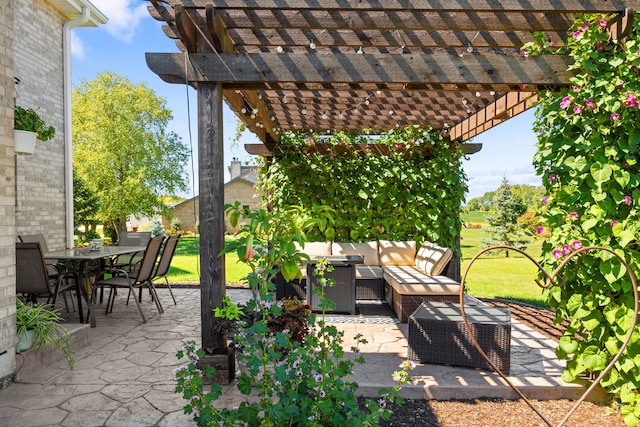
(550, 282)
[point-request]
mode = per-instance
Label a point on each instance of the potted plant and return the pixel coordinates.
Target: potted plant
(37, 325)
(28, 126)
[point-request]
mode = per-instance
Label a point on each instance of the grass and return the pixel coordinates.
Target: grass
(496, 276)
(185, 267)
(491, 276)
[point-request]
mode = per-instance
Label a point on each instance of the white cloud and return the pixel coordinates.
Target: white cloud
(77, 47)
(124, 17)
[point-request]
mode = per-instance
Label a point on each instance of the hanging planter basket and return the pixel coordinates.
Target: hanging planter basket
(24, 142)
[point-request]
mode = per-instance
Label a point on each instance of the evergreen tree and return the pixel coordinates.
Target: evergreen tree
(504, 228)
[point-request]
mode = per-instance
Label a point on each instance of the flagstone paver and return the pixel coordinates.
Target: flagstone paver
(124, 377)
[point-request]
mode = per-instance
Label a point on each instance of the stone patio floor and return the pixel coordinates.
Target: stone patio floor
(124, 374)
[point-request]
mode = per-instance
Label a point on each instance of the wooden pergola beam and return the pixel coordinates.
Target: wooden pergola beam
(493, 114)
(362, 149)
(263, 68)
(516, 6)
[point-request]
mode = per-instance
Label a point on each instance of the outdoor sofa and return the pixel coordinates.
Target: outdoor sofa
(395, 271)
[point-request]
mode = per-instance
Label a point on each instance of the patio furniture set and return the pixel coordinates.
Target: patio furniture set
(136, 263)
(413, 284)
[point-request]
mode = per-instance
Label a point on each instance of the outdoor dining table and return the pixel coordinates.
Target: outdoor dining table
(83, 256)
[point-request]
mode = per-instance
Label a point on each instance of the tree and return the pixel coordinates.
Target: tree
(122, 149)
(85, 208)
(504, 228)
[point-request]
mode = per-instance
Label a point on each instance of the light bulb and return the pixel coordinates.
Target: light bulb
(469, 48)
(243, 110)
(255, 111)
(478, 94)
(324, 115)
(493, 92)
(391, 112)
(366, 101)
(341, 115)
(304, 110)
(360, 51)
(253, 116)
(279, 49)
(285, 99)
(312, 44)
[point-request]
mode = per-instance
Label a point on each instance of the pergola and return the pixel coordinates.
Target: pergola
(347, 65)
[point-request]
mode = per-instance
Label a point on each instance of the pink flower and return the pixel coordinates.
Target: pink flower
(613, 223)
(566, 249)
(564, 104)
(573, 215)
(615, 117)
(625, 165)
(590, 103)
(627, 200)
(576, 88)
(585, 26)
(631, 101)
(603, 23)
(577, 34)
(553, 177)
(444, 132)
(545, 200)
(557, 254)
(576, 244)
(600, 46)
(638, 53)
(540, 230)
(250, 253)
(577, 109)
(398, 145)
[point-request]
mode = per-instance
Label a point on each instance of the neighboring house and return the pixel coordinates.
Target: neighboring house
(35, 190)
(241, 187)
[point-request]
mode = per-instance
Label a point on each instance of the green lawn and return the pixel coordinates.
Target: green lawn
(185, 267)
(492, 276)
(496, 276)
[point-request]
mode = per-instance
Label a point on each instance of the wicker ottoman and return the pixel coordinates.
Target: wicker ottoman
(437, 335)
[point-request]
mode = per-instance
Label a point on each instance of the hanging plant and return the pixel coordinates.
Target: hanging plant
(28, 120)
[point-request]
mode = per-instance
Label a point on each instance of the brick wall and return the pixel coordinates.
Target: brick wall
(240, 191)
(40, 198)
(7, 197)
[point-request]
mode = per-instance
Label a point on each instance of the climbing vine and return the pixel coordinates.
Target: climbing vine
(588, 147)
(397, 195)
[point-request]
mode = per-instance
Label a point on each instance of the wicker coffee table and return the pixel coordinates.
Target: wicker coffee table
(437, 335)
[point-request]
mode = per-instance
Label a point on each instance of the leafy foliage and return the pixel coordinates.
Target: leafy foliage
(122, 150)
(85, 209)
(292, 377)
(399, 195)
(503, 219)
(588, 146)
(28, 120)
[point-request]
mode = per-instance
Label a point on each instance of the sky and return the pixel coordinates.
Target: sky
(120, 47)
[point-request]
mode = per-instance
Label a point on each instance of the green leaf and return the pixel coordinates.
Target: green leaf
(594, 359)
(363, 195)
(566, 347)
(601, 173)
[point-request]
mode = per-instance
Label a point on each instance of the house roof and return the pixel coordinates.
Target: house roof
(349, 65)
(72, 9)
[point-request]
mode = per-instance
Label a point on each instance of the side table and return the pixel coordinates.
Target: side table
(343, 294)
(437, 335)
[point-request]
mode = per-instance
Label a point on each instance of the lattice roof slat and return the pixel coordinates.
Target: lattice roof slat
(313, 64)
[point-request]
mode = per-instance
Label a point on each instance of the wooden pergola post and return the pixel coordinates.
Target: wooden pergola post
(211, 216)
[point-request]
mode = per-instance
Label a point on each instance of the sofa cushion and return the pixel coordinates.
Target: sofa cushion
(369, 250)
(315, 249)
(432, 259)
(397, 252)
(410, 280)
(368, 272)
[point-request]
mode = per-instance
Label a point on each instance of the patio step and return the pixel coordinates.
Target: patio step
(30, 360)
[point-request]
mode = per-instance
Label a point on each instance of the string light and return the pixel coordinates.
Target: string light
(492, 93)
(366, 101)
(279, 49)
(324, 115)
(360, 51)
(312, 44)
(341, 115)
(391, 112)
(469, 47)
(478, 94)
(285, 99)
(304, 110)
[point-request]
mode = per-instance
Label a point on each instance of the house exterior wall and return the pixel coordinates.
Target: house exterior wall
(7, 197)
(38, 53)
(240, 191)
